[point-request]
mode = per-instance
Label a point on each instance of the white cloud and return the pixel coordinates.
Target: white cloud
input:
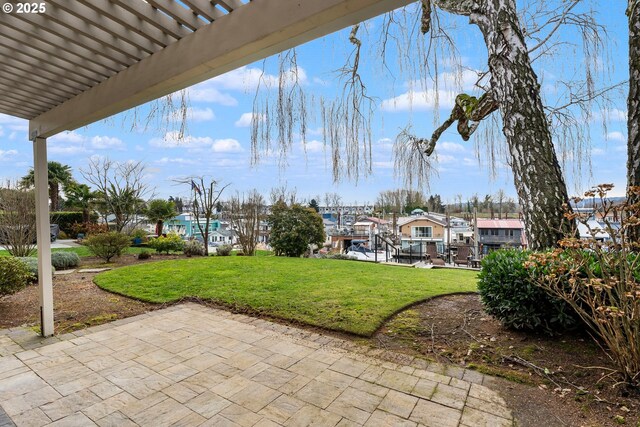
(6, 155)
(202, 92)
(597, 152)
(469, 162)
(67, 143)
(314, 146)
(67, 150)
(176, 161)
(446, 158)
(14, 123)
(616, 136)
(228, 145)
(244, 79)
(613, 115)
(246, 118)
(200, 114)
(420, 101)
(1, 131)
(383, 165)
(451, 147)
(172, 140)
(107, 143)
(71, 137)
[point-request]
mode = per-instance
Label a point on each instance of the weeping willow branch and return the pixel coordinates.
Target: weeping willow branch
(347, 120)
(411, 164)
(289, 105)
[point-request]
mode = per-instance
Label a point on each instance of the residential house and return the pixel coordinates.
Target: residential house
(498, 233)
(364, 229)
(186, 226)
(422, 229)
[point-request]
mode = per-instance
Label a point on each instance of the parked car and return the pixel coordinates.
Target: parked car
(54, 230)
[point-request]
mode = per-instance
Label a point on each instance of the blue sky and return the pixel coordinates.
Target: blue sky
(218, 140)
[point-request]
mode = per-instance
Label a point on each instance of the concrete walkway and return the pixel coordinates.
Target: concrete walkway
(189, 365)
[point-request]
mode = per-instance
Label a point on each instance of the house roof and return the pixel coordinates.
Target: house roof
(501, 223)
(378, 221)
(406, 220)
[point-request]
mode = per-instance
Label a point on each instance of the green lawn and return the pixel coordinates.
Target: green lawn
(349, 296)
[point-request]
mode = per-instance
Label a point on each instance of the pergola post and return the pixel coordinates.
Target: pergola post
(45, 279)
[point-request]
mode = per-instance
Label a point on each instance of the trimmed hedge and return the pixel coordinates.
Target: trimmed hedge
(65, 260)
(509, 294)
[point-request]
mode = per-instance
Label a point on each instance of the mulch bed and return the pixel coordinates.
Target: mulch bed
(78, 302)
(561, 380)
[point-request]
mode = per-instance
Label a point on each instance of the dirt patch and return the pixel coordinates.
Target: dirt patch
(78, 302)
(561, 380)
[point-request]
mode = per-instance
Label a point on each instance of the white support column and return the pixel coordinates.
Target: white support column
(45, 282)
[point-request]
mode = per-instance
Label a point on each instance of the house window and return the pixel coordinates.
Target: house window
(510, 233)
(495, 232)
(484, 232)
(421, 231)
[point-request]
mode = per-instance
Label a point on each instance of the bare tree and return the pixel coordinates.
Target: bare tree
(332, 200)
(247, 211)
(633, 107)
(121, 187)
(206, 195)
(500, 197)
(283, 194)
(17, 220)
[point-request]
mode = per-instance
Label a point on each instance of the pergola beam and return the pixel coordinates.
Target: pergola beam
(209, 52)
(39, 25)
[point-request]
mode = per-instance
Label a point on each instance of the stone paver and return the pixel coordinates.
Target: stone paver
(190, 365)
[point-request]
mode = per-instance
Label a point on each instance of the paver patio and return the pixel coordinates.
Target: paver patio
(190, 365)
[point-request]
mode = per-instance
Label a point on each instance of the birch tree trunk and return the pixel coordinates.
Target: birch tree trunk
(633, 107)
(541, 188)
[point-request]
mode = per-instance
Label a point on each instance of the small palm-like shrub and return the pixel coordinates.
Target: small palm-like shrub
(65, 260)
(224, 250)
(144, 255)
(509, 294)
(14, 275)
(170, 243)
(107, 245)
(193, 248)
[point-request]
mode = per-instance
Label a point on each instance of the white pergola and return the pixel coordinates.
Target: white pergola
(81, 61)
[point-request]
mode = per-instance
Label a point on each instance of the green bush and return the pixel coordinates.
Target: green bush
(144, 255)
(31, 263)
(193, 247)
(171, 243)
(294, 228)
(14, 275)
(509, 294)
(224, 250)
(107, 245)
(65, 260)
